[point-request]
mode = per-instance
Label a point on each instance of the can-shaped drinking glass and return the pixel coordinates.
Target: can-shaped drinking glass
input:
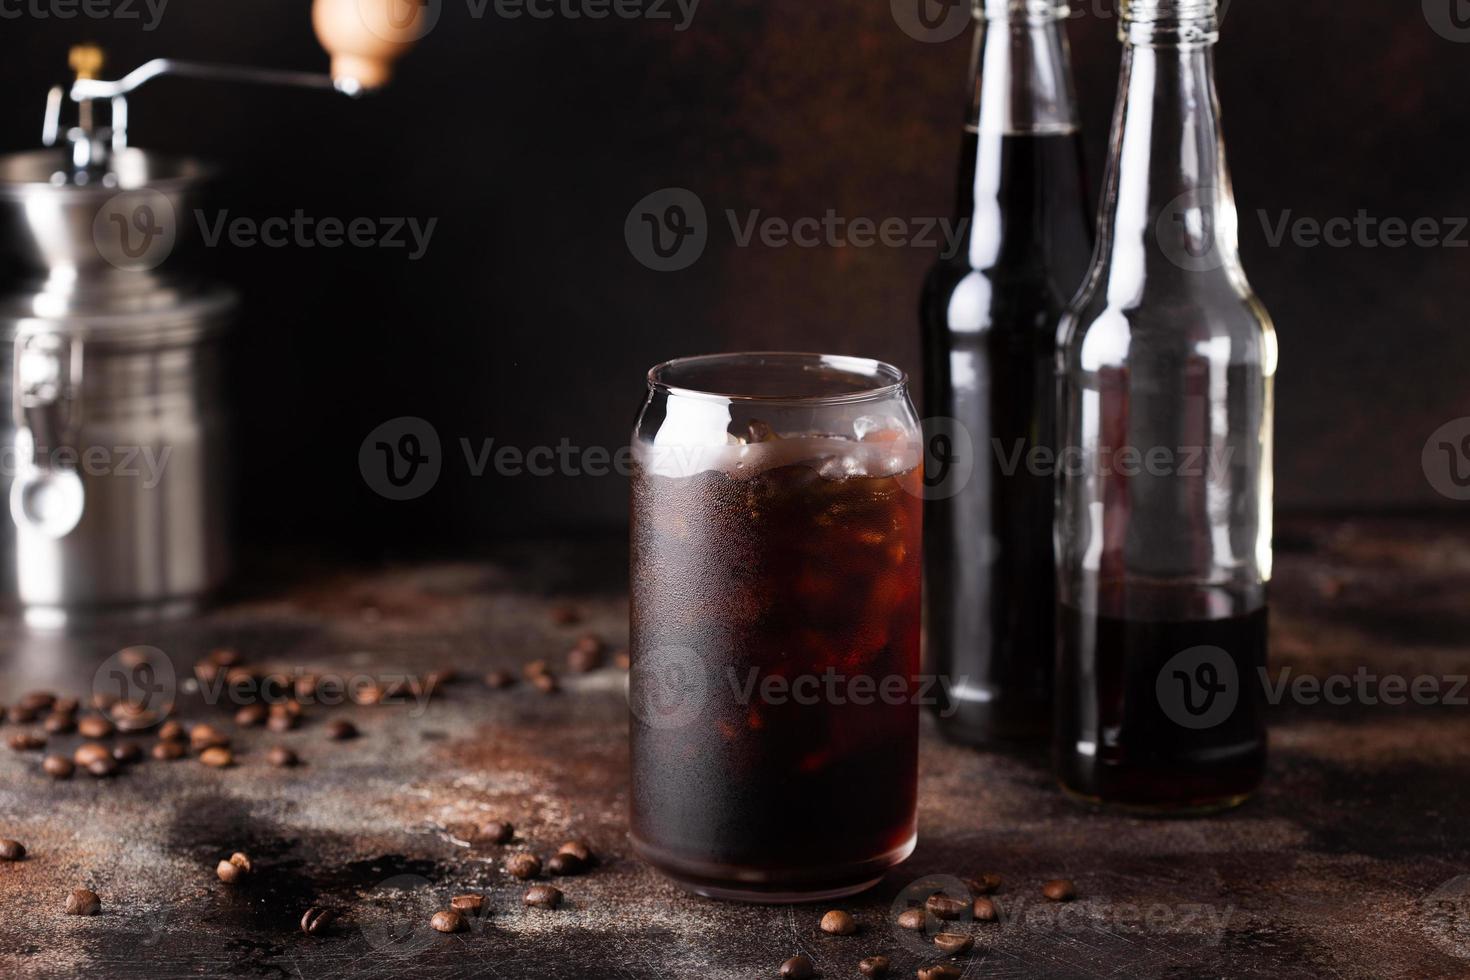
(776, 555)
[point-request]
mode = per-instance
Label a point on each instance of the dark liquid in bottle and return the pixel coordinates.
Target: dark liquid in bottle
(990, 344)
(1163, 715)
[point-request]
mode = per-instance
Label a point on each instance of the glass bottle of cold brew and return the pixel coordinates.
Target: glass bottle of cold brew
(1166, 364)
(990, 314)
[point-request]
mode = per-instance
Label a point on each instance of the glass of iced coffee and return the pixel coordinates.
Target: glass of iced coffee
(776, 537)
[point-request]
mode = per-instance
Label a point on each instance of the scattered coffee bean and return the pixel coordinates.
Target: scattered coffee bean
(27, 741)
(523, 865)
(103, 701)
(317, 920)
(104, 767)
(340, 729)
(469, 904)
(941, 971)
(83, 902)
(499, 680)
(96, 726)
(545, 683)
(560, 864)
(133, 717)
(168, 751)
(542, 897)
(799, 967)
(204, 736)
(366, 693)
(206, 673)
(127, 753)
(36, 701)
(565, 616)
(56, 724)
(282, 720)
(953, 943)
(224, 657)
(58, 766)
(89, 752)
(65, 706)
(912, 919)
(235, 869)
(941, 906)
(24, 716)
(251, 715)
(447, 920)
(985, 884)
(838, 923)
(306, 686)
(622, 660)
(586, 656)
(2, 713)
(436, 679)
(874, 966)
(171, 731)
(579, 849)
(217, 757)
(985, 910)
(1059, 890)
(282, 757)
(493, 832)
(11, 850)
(534, 668)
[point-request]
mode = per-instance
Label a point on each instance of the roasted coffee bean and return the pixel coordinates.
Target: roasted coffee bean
(579, 849)
(58, 766)
(235, 868)
(96, 726)
(171, 731)
(912, 919)
(499, 680)
(217, 757)
(37, 701)
(941, 971)
(340, 729)
(799, 967)
(586, 656)
(251, 715)
(565, 616)
(1059, 890)
(127, 752)
(203, 736)
(985, 910)
(366, 694)
(27, 741)
(2, 713)
(545, 683)
(56, 724)
(533, 668)
(493, 832)
(133, 717)
(941, 906)
(565, 864)
(523, 865)
(838, 923)
(305, 687)
(24, 716)
(953, 943)
(65, 706)
(470, 904)
(103, 768)
(984, 884)
(282, 757)
(542, 897)
(623, 662)
(89, 752)
(874, 966)
(103, 701)
(282, 721)
(11, 850)
(438, 678)
(447, 920)
(317, 920)
(224, 657)
(168, 751)
(83, 902)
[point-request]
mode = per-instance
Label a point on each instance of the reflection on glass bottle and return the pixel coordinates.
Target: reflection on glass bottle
(1167, 361)
(990, 314)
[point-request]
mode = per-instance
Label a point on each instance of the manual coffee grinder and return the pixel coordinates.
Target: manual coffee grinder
(115, 457)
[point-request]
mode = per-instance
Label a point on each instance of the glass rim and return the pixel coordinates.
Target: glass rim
(887, 379)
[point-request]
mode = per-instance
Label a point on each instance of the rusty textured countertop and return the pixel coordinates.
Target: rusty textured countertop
(1349, 862)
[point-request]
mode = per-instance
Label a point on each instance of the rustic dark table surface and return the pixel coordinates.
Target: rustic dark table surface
(1354, 860)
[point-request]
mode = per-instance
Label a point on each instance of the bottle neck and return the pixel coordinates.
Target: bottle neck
(1168, 207)
(1022, 87)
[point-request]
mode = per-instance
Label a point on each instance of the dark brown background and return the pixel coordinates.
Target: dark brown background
(530, 140)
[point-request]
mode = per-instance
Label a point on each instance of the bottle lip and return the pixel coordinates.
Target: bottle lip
(1028, 11)
(1181, 22)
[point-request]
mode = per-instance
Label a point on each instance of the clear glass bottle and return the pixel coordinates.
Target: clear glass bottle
(1166, 364)
(990, 315)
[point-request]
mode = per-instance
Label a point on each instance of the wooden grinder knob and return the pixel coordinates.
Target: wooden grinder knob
(365, 37)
